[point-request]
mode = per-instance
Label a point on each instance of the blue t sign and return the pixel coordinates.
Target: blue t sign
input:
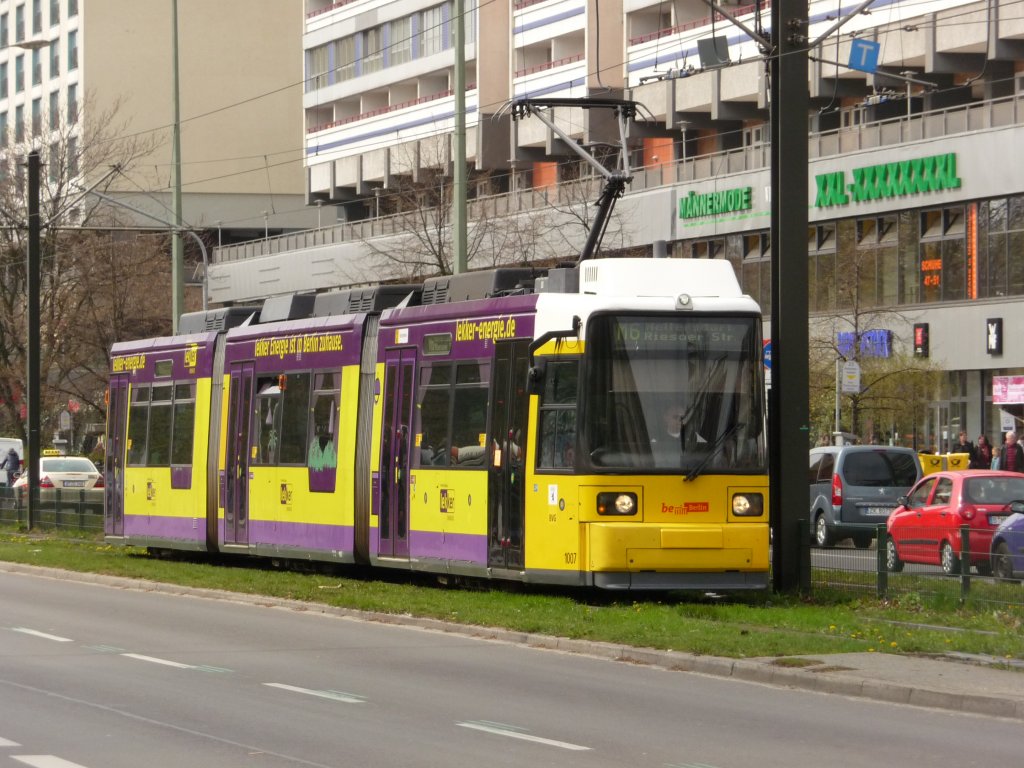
(864, 54)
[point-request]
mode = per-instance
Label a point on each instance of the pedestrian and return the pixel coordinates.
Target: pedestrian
(996, 450)
(964, 446)
(982, 454)
(11, 463)
(1013, 454)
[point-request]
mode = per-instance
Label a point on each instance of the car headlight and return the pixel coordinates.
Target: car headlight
(747, 504)
(616, 503)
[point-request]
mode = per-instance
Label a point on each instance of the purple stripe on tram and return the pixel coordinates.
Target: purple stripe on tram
(170, 528)
(332, 538)
(464, 547)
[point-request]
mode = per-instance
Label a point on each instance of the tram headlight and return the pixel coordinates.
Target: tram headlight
(747, 504)
(616, 503)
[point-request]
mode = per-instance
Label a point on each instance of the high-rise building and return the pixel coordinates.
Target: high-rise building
(66, 62)
(913, 194)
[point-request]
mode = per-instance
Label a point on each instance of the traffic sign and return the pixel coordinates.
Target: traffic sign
(851, 377)
(767, 355)
(864, 55)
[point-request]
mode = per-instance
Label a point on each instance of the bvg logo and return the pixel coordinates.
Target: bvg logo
(286, 493)
(150, 491)
(191, 355)
(447, 502)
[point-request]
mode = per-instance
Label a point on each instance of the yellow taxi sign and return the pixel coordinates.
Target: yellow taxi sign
(51, 452)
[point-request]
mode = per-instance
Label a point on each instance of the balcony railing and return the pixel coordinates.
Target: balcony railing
(985, 115)
(549, 65)
(328, 8)
(695, 24)
(386, 109)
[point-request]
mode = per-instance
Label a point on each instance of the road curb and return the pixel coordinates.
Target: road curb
(825, 679)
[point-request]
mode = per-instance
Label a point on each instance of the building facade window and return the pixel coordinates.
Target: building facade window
(54, 13)
(19, 74)
(37, 116)
(400, 50)
(943, 254)
(72, 8)
(72, 49)
(19, 23)
(373, 51)
(19, 123)
(54, 59)
(3, 129)
(37, 17)
(37, 67)
(821, 267)
(4, 30)
(72, 103)
(3, 80)
(54, 110)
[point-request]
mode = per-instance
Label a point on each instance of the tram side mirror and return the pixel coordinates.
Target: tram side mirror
(535, 378)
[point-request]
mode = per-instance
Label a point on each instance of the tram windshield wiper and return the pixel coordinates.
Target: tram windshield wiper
(713, 451)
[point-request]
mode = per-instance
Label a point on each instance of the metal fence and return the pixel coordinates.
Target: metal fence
(61, 510)
(844, 568)
(851, 569)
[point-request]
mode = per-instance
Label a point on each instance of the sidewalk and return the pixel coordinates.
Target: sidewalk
(957, 682)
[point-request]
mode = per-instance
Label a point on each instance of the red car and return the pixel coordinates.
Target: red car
(925, 528)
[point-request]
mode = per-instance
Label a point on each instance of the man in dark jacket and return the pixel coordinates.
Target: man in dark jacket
(11, 463)
(1013, 455)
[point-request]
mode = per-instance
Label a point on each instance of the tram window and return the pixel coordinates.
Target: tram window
(158, 449)
(323, 446)
(294, 423)
(434, 413)
(268, 400)
(184, 424)
(557, 416)
(138, 422)
(469, 414)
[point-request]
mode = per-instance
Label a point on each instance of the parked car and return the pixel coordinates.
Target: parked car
(856, 487)
(1008, 544)
(926, 526)
(65, 472)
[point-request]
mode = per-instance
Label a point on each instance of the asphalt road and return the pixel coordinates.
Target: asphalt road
(97, 677)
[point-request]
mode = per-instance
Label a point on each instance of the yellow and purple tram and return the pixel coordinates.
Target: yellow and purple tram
(601, 425)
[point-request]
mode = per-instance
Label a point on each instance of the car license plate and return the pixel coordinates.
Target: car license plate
(879, 511)
(997, 519)
(74, 483)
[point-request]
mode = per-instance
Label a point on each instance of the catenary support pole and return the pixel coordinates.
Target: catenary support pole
(33, 362)
(788, 410)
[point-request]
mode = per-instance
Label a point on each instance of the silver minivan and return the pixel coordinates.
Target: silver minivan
(856, 487)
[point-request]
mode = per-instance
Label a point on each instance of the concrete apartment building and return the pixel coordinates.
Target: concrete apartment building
(239, 80)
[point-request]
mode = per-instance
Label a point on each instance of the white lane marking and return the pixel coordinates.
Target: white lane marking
(45, 761)
(8, 743)
(347, 698)
(512, 732)
(154, 660)
(44, 635)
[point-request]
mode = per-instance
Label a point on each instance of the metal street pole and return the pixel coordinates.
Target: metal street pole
(177, 245)
(788, 432)
(32, 450)
(459, 237)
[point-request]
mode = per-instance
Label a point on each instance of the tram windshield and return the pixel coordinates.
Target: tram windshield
(678, 394)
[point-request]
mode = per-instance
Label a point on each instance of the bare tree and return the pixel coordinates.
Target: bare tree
(87, 286)
(418, 223)
(895, 387)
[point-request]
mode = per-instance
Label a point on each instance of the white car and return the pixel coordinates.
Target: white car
(71, 472)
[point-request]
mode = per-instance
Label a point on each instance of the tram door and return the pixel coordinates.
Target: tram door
(113, 483)
(505, 503)
(396, 447)
(236, 487)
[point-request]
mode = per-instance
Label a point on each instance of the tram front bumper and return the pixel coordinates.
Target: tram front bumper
(635, 547)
